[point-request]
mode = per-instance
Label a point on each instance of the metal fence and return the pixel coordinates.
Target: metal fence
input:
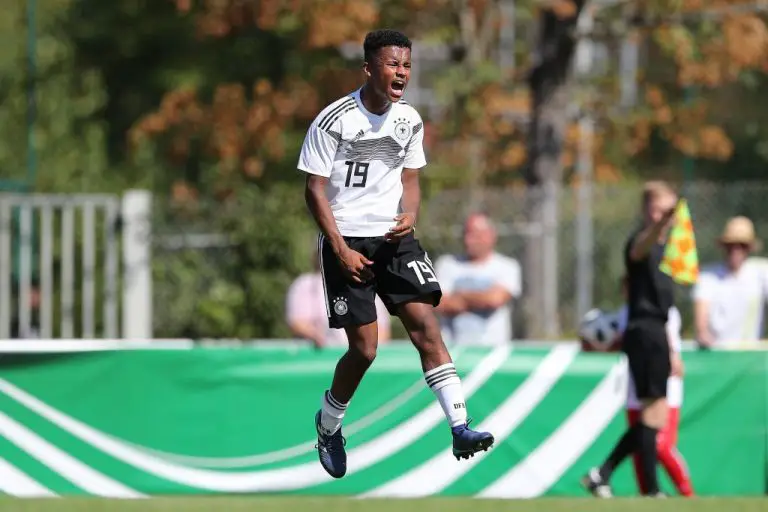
(69, 262)
(214, 268)
(198, 255)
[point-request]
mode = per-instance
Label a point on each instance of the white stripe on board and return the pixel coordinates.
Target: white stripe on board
(414, 428)
(14, 482)
(442, 470)
(294, 477)
(543, 467)
(62, 463)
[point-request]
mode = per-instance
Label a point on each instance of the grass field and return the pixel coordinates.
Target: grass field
(225, 504)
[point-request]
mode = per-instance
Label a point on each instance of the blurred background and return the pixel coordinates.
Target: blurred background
(148, 182)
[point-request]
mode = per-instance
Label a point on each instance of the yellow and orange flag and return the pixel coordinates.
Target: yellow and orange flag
(681, 261)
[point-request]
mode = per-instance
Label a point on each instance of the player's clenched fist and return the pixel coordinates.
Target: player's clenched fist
(356, 265)
(405, 222)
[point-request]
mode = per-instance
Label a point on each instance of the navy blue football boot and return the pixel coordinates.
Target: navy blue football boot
(467, 442)
(330, 449)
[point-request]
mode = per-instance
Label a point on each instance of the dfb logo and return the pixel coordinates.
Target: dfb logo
(340, 306)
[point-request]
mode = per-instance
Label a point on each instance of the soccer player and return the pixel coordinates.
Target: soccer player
(650, 297)
(362, 156)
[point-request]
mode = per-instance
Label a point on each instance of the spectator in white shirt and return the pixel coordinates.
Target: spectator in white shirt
(729, 296)
(478, 288)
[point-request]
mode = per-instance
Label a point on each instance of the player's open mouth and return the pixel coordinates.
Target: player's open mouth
(397, 88)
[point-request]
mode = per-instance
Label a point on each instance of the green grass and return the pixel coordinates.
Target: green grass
(279, 504)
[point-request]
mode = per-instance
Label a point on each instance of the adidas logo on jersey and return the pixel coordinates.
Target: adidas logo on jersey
(347, 144)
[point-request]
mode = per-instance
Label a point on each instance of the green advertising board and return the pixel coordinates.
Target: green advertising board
(241, 420)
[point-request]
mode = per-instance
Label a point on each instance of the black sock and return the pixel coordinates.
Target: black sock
(626, 446)
(648, 458)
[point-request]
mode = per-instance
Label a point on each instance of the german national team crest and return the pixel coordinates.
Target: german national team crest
(402, 129)
(340, 306)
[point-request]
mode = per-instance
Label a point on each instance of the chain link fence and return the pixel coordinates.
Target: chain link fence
(218, 273)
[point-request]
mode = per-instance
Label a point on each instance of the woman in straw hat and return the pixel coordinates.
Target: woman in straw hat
(729, 296)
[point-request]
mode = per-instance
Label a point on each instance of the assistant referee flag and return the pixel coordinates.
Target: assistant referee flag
(681, 261)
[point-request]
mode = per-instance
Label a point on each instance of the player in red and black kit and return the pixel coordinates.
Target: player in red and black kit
(645, 342)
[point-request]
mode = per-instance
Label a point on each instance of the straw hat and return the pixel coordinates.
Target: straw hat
(739, 230)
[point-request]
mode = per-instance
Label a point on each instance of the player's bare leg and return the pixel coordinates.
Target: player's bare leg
(363, 340)
(424, 330)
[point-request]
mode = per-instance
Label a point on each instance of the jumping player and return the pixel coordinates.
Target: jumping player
(666, 441)
(362, 156)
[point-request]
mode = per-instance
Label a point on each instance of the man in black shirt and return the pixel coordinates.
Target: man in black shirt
(651, 295)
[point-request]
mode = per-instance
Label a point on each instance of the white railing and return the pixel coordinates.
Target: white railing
(59, 234)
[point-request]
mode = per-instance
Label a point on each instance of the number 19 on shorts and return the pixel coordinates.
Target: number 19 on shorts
(423, 271)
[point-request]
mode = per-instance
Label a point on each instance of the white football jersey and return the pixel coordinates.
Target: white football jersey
(363, 154)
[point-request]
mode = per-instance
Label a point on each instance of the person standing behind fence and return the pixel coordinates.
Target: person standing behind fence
(645, 342)
(32, 331)
(307, 317)
(478, 288)
(730, 296)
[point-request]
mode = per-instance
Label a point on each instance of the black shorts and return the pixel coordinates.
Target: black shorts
(402, 272)
(647, 349)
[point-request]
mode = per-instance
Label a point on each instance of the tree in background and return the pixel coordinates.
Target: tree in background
(68, 136)
(482, 136)
(226, 150)
(207, 102)
(705, 61)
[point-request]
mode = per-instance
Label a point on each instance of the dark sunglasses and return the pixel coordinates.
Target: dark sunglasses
(729, 247)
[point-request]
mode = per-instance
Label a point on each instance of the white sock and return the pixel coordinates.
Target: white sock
(332, 414)
(445, 383)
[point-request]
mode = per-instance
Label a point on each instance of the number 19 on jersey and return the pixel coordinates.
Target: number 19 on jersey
(358, 171)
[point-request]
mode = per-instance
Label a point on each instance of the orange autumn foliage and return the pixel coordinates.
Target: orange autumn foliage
(326, 23)
(241, 131)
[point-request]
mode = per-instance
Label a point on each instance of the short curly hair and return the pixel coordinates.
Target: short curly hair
(378, 39)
